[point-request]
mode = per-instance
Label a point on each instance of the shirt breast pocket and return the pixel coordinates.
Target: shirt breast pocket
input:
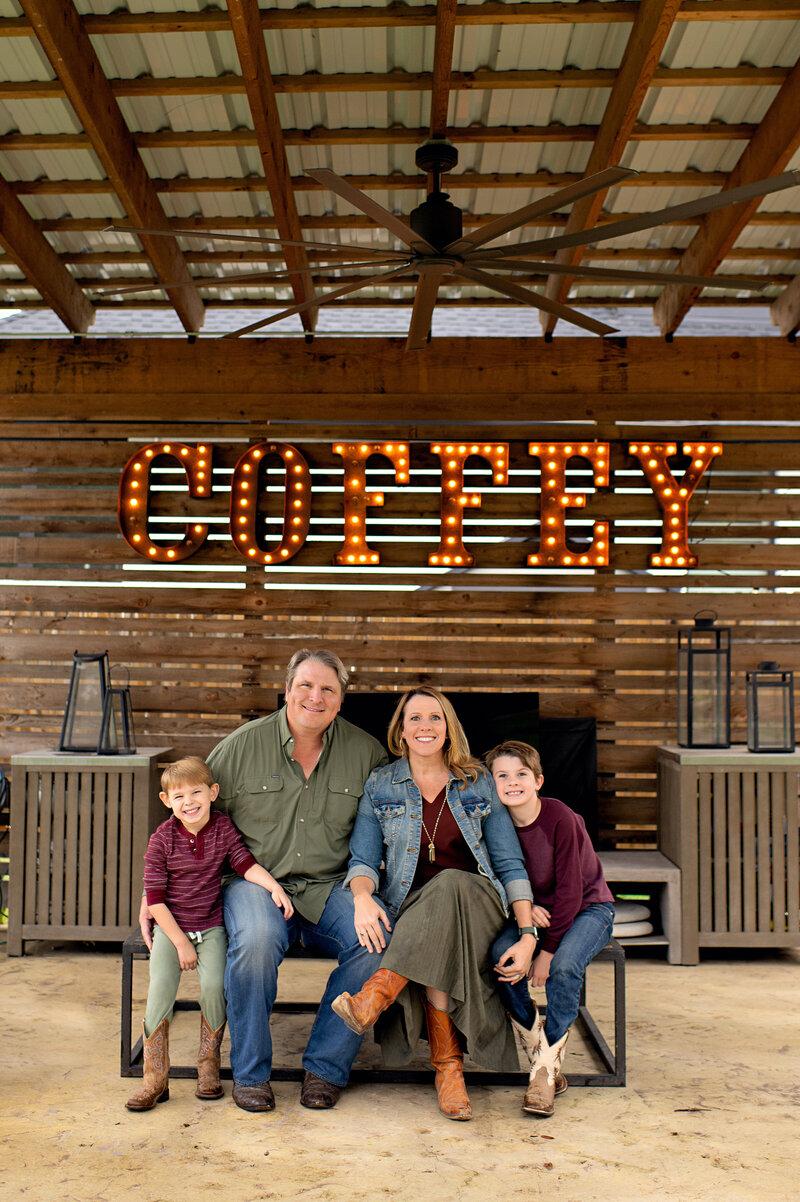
(389, 814)
(342, 805)
(477, 810)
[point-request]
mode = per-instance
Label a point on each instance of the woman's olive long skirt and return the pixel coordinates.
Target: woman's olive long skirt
(442, 937)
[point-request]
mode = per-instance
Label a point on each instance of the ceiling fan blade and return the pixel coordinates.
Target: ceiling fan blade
(509, 288)
(646, 221)
(320, 300)
(743, 283)
(395, 225)
(254, 277)
(208, 237)
(549, 204)
(424, 302)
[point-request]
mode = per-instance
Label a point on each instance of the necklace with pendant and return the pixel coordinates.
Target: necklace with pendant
(431, 837)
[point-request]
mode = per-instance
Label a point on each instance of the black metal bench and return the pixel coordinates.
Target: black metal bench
(134, 948)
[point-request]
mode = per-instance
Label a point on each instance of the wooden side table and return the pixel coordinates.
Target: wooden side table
(729, 820)
(79, 830)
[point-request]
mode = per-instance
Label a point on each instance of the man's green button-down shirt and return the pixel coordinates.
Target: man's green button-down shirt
(298, 829)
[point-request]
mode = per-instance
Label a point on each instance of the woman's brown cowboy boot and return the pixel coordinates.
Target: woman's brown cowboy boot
(208, 1086)
(448, 1061)
(362, 1010)
(155, 1077)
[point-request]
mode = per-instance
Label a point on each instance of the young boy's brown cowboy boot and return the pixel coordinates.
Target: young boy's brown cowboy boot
(447, 1059)
(208, 1086)
(362, 1010)
(155, 1075)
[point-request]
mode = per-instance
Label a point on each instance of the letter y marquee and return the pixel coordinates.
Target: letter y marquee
(673, 498)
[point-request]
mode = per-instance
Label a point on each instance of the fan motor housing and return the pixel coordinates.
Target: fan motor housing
(437, 220)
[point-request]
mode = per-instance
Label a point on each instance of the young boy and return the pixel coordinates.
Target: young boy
(574, 907)
(183, 881)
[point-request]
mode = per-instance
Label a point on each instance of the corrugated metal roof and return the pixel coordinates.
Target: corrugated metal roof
(408, 47)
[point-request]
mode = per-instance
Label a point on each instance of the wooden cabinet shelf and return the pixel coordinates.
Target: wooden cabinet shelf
(79, 830)
(729, 820)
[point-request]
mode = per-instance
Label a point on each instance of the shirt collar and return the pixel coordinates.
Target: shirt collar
(287, 737)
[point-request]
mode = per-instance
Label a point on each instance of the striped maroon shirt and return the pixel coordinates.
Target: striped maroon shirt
(184, 871)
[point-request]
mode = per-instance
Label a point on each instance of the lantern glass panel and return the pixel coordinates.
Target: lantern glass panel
(116, 736)
(83, 715)
(704, 687)
(770, 711)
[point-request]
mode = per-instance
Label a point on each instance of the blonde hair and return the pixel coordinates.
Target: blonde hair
(521, 751)
(456, 754)
(189, 771)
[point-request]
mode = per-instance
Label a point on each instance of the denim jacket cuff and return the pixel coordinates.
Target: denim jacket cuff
(518, 890)
(361, 870)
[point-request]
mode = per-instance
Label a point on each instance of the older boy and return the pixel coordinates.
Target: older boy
(574, 907)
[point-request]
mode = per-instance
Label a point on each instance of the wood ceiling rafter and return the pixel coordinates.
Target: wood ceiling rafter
(44, 270)
(460, 182)
(397, 14)
(75, 62)
(126, 258)
(177, 139)
(785, 311)
(482, 80)
(357, 222)
(442, 66)
(257, 73)
(768, 153)
(648, 36)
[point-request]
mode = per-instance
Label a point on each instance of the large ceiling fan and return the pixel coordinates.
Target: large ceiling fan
(435, 250)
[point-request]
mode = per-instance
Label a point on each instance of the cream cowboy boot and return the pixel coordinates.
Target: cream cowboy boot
(530, 1040)
(545, 1068)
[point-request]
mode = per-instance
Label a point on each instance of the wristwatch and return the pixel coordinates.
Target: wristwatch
(527, 931)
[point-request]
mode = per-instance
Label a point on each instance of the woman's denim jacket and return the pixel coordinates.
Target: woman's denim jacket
(388, 830)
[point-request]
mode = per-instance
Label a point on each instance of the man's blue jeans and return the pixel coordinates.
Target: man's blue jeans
(588, 935)
(258, 938)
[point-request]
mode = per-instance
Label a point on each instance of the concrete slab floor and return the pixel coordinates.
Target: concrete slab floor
(710, 1110)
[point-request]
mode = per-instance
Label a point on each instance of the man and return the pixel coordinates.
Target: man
(291, 782)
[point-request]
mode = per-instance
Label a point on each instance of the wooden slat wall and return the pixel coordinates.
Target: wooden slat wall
(204, 659)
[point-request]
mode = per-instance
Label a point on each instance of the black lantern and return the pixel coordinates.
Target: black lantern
(770, 708)
(116, 731)
(704, 685)
(83, 716)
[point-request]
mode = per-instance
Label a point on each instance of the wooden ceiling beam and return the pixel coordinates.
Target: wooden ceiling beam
(43, 269)
(442, 66)
(648, 36)
(179, 139)
(785, 310)
(228, 84)
(652, 254)
(257, 224)
(257, 73)
(461, 181)
(399, 14)
(76, 65)
(768, 153)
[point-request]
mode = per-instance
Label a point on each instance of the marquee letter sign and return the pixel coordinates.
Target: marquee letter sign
(673, 498)
(556, 500)
(248, 487)
(244, 503)
(451, 549)
(357, 499)
(134, 495)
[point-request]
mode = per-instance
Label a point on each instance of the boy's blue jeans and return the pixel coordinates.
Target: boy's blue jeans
(588, 935)
(258, 938)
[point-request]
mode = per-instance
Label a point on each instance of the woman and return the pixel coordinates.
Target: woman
(452, 867)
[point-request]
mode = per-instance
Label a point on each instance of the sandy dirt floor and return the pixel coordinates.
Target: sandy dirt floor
(710, 1110)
